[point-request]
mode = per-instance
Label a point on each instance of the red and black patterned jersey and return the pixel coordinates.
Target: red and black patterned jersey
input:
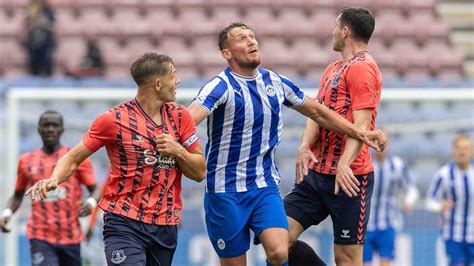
(143, 184)
(347, 86)
(54, 219)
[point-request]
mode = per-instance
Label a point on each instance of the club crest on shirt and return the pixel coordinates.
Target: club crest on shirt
(270, 90)
(118, 256)
(37, 258)
(335, 81)
(33, 170)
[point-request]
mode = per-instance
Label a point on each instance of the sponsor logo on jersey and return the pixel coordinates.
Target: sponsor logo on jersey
(161, 161)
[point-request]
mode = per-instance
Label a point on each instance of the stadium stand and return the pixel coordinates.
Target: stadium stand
(405, 29)
(459, 15)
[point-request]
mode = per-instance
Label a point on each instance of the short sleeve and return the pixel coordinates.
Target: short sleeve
(103, 131)
(212, 95)
(187, 132)
(22, 175)
(293, 95)
(363, 86)
(85, 173)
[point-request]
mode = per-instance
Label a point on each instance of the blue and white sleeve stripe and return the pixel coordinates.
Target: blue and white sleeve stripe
(293, 95)
(212, 94)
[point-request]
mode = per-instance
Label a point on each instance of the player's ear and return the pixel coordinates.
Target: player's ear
(226, 54)
(345, 32)
(157, 84)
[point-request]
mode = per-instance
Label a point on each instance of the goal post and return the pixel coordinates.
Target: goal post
(16, 97)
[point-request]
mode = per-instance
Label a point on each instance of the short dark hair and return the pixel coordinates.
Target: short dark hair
(223, 34)
(360, 21)
(51, 112)
(148, 65)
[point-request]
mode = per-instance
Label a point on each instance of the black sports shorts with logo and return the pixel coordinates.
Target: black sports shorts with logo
(313, 200)
(131, 242)
(44, 253)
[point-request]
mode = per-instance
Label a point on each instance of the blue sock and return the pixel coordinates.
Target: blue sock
(284, 263)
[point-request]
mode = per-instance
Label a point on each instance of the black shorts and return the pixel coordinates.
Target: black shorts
(45, 253)
(131, 242)
(311, 201)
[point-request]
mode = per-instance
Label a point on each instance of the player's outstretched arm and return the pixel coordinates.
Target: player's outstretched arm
(13, 204)
(63, 170)
(191, 163)
(198, 113)
(333, 121)
(305, 155)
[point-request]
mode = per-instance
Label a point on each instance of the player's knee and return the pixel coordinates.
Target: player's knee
(293, 241)
(343, 258)
(291, 244)
(277, 256)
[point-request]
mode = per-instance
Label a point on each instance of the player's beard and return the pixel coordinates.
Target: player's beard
(171, 95)
(252, 64)
(338, 45)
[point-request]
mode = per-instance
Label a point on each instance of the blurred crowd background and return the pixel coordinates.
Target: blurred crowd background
(420, 45)
(63, 38)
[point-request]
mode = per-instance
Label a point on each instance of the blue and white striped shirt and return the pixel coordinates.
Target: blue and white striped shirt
(244, 128)
(454, 184)
(392, 179)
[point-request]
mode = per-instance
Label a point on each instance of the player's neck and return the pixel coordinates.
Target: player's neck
(463, 166)
(352, 48)
(245, 72)
(51, 149)
(151, 106)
